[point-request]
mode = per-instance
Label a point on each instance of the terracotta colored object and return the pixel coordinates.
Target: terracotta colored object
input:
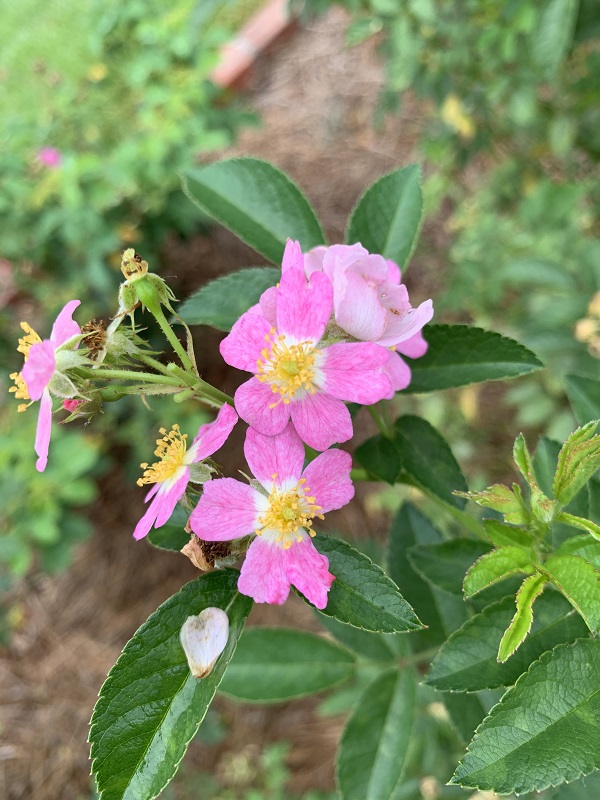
(257, 35)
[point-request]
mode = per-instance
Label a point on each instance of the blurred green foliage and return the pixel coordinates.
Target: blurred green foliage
(118, 92)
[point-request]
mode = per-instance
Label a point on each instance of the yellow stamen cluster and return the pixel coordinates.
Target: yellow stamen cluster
(171, 449)
(20, 390)
(288, 512)
(26, 342)
(287, 368)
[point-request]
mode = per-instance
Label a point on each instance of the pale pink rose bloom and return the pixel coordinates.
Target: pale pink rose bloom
(281, 516)
(39, 369)
(171, 474)
(295, 375)
(371, 304)
(50, 157)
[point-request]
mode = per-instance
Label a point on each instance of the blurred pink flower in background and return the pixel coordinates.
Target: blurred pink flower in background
(50, 157)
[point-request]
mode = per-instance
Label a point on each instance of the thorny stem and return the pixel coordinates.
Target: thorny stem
(126, 375)
(168, 331)
(154, 363)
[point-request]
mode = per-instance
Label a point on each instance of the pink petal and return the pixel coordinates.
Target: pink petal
(212, 436)
(398, 372)
(341, 257)
(162, 506)
(328, 479)
(228, 509)
(42, 433)
(321, 420)
(268, 305)
(403, 326)
(292, 256)
(253, 401)
(39, 368)
(65, 326)
(263, 574)
(308, 571)
(357, 307)
(415, 347)
(393, 275)
(281, 455)
(354, 372)
(303, 308)
(313, 260)
(242, 347)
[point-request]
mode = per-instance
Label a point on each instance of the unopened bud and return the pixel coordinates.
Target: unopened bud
(203, 639)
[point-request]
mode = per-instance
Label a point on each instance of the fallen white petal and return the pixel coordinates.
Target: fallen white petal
(203, 639)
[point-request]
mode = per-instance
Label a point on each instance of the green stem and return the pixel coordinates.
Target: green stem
(168, 331)
(461, 517)
(359, 474)
(418, 658)
(213, 395)
(379, 420)
(125, 375)
(154, 363)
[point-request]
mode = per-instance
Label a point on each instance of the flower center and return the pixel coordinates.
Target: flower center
(287, 368)
(20, 390)
(288, 513)
(170, 451)
(26, 342)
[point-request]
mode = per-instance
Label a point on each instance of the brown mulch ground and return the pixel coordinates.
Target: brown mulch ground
(316, 100)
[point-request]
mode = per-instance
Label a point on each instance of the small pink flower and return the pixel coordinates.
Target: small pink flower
(50, 157)
(174, 469)
(43, 373)
(371, 304)
(71, 405)
(296, 374)
(281, 515)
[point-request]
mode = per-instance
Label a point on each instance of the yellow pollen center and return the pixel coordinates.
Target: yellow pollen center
(287, 368)
(288, 513)
(26, 342)
(171, 449)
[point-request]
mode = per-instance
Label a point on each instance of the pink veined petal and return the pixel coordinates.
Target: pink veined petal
(393, 275)
(65, 326)
(303, 308)
(39, 368)
(308, 571)
(228, 509)
(399, 328)
(398, 372)
(281, 455)
(354, 372)
(415, 347)
(340, 257)
(162, 506)
(263, 575)
(43, 430)
(313, 260)
(212, 436)
(253, 401)
(268, 305)
(357, 307)
(328, 479)
(321, 420)
(242, 347)
(292, 256)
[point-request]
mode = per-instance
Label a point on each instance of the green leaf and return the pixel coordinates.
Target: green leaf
(581, 546)
(150, 706)
(500, 534)
(520, 625)
(459, 355)
(546, 729)
(372, 646)
(584, 396)
(375, 742)
(427, 459)
(579, 522)
(257, 202)
(496, 566)
(380, 458)
(362, 595)
(467, 711)
(223, 301)
(274, 664)
(554, 35)
(446, 564)
(580, 584)
(508, 502)
(578, 460)
(171, 536)
(468, 661)
(387, 217)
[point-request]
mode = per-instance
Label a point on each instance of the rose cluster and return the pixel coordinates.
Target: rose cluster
(333, 331)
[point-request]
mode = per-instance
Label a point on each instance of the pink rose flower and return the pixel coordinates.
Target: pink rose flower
(280, 512)
(50, 157)
(175, 467)
(296, 374)
(44, 372)
(371, 304)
